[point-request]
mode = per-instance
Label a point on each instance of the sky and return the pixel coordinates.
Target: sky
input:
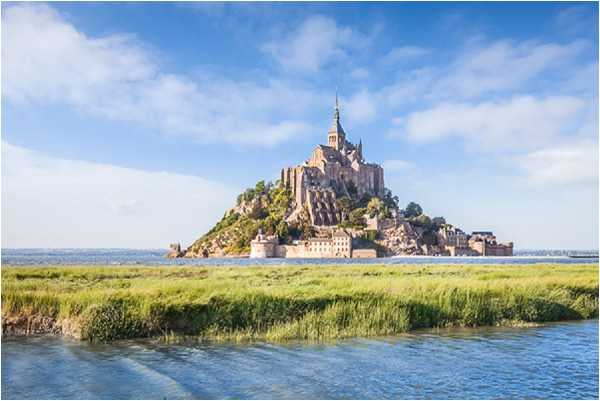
(135, 125)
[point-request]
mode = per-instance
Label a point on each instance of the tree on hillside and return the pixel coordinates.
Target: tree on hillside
(390, 200)
(282, 231)
(356, 219)
(260, 187)
(344, 204)
(413, 210)
(376, 207)
(422, 220)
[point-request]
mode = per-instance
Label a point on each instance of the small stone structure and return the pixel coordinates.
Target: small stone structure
(338, 246)
(175, 251)
(263, 246)
(484, 244)
(455, 242)
(364, 253)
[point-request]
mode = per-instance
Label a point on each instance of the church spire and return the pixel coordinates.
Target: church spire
(336, 135)
(336, 114)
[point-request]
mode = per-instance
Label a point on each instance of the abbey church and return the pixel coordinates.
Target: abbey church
(333, 170)
(334, 205)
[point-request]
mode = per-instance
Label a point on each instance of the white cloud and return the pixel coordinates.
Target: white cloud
(502, 66)
(411, 87)
(497, 68)
(520, 123)
(577, 19)
(316, 42)
(404, 53)
(571, 163)
(360, 108)
(50, 202)
(45, 59)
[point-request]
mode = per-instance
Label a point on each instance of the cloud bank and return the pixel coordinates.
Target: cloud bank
(56, 203)
(46, 60)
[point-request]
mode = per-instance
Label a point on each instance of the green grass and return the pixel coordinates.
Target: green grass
(295, 302)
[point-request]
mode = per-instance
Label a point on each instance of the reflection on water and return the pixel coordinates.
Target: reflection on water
(157, 257)
(554, 361)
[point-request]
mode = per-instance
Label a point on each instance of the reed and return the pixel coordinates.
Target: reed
(315, 302)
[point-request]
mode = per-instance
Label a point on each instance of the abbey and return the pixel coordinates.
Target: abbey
(333, 170)
(334, 205)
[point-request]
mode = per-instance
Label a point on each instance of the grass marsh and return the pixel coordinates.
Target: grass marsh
(102, 303)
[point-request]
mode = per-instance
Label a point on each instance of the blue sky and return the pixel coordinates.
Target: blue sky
(136, 124)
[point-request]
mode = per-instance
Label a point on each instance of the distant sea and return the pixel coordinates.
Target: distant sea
(157, 257)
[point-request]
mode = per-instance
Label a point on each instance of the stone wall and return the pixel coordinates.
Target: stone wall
(364, 253)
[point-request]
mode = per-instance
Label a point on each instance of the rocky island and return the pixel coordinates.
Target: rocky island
(334, 205)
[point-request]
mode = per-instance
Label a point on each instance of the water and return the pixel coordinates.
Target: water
(556, 361)
(156, 257)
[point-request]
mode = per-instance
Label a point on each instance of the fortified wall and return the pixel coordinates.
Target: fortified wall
(339, 245)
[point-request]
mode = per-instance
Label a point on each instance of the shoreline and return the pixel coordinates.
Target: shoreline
(193, 340)
(275, 303)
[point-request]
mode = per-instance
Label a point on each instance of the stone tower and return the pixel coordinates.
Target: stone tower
(336, 135)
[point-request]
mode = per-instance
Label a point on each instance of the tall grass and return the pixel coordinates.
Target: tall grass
(295, 302)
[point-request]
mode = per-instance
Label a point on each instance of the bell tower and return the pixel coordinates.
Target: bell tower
(336, 135)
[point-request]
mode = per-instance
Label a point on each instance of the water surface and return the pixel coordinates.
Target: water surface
(157, 257)
(554, 361)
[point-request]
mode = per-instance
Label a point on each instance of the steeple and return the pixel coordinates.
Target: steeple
(360, 156)
(336, 135)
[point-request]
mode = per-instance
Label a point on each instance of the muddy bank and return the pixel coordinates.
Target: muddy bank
(38, 325)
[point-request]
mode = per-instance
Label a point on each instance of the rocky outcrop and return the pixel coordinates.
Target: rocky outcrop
(400, 239)
(174, 251)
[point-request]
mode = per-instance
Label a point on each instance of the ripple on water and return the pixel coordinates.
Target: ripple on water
(553, 361)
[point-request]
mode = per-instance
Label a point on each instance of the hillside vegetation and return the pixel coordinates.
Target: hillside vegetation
(289, 302)
(266, 206)
(262, 207)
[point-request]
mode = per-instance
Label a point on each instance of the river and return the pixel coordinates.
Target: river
(554, 361)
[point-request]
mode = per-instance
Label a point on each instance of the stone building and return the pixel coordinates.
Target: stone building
(484, 243)
(332, 171)
(453, 240)
(338, 246)
(263, 246)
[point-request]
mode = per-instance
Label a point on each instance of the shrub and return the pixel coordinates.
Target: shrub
(110, 321)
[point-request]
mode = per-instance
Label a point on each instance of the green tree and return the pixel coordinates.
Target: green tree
(390, 200)
(413, 210)
(375, 206)
(248, 194)
(430, 238)
(260, 187)
(356, 217)
(422, 220)
(282, 231)
(344, 204)
(364, 200)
